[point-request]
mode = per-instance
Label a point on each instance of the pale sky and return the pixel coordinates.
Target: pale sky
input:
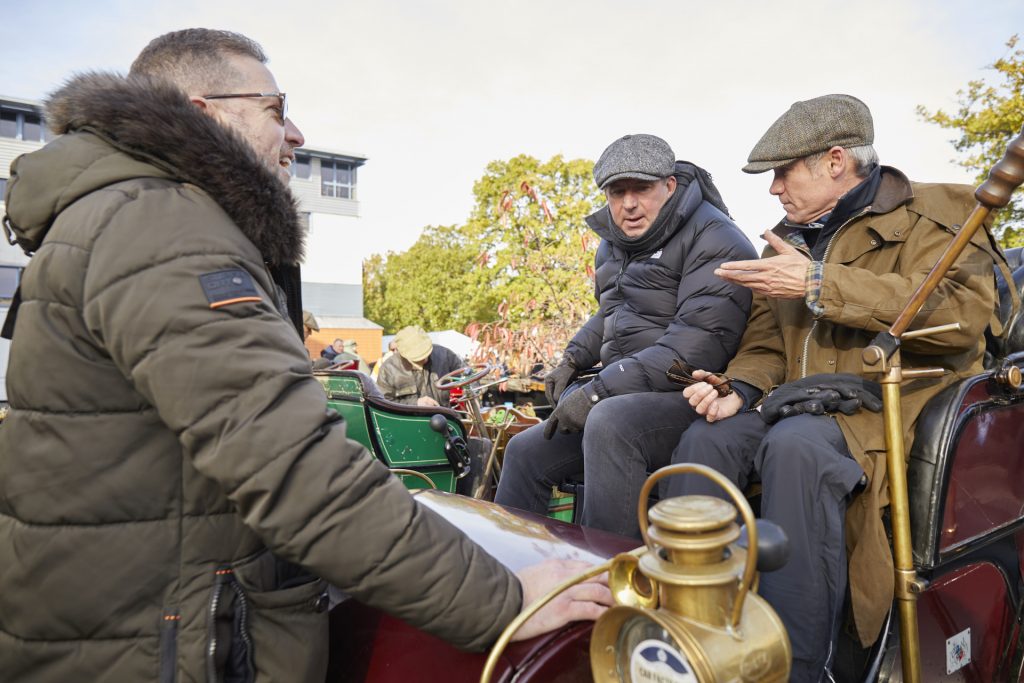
(433, 91)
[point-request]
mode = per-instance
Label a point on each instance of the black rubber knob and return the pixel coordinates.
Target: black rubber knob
(439, 424)
(772, 545)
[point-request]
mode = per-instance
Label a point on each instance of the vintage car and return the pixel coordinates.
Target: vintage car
(961, 600)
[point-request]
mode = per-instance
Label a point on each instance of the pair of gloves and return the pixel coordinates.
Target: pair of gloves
(820, 394)
(570, 414)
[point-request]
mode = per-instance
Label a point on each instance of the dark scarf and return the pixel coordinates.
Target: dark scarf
(818, 233)
(668, 218)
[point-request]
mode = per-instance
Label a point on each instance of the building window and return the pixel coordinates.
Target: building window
(337, 179)
(8, 124)
(303, 167)
(22, 125)
(3, 188)
(9, 278)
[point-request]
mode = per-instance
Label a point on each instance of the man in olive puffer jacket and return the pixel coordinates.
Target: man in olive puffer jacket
(166, 501)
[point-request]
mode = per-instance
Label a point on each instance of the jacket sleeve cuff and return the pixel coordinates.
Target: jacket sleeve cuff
(750, 394)
(597, 387)
(812, 287)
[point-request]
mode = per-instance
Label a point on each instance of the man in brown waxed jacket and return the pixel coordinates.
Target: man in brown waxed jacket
(165, 501)
(857, 240)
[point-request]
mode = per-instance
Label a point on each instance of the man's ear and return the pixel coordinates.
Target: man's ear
(198, 101)
(838, 162)
(671, 182)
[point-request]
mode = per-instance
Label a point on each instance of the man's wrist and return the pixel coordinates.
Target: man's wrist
(748, 393)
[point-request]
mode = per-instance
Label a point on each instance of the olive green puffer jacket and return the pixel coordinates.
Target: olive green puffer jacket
(148, 465)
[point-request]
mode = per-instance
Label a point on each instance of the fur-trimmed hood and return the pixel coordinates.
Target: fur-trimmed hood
(155, 132)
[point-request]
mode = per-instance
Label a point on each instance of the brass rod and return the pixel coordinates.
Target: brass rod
(903, 558)
(413, 473)
(913, 373)
(927, 331)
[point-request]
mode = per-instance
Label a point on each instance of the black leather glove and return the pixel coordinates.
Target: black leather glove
(559, 378)
(571, 414)
(820, 394)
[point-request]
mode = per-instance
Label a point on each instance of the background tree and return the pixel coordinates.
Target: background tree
(435, 283)
(528, 221)
(518, 276)
(988, 116)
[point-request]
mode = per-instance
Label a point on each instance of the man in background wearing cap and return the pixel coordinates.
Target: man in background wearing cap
(409, 375)
(856, 241)
(663, 233)
(309, 324)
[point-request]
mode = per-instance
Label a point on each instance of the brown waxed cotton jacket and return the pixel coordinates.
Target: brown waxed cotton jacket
(147, 468)
(876, 261)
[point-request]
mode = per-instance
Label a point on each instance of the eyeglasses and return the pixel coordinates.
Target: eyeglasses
(681, 373)
(282, 97)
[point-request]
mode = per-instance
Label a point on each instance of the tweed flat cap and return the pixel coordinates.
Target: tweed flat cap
(645, 157)
(810, 127)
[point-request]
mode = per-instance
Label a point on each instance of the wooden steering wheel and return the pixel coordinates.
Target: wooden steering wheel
(463, 376)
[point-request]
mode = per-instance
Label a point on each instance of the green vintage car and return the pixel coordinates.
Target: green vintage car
(425, 446)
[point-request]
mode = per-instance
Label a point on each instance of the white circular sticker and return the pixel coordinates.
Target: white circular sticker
(658, 662)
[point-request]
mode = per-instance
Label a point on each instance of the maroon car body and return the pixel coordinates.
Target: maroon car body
(368, 645)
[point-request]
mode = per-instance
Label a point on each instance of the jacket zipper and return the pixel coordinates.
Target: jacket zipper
(243, 603)
(211, 646)
(622, 269)
(824, 259)
(618, 290)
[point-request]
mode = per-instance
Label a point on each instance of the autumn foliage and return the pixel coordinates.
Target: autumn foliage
(517, 277)
(989, 115)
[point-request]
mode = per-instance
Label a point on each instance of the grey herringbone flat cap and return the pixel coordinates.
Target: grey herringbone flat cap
(810, 127)
(645, 157)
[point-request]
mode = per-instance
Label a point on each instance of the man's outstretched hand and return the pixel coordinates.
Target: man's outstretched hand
(781, 276)
(584, 601)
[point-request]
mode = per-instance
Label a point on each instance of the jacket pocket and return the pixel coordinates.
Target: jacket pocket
(286, 621)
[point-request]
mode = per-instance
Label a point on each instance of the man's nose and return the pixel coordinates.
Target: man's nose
(777, 187)
(629, 200)
(292, 134)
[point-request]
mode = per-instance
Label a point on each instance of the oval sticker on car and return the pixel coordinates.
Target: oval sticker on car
(654, 660)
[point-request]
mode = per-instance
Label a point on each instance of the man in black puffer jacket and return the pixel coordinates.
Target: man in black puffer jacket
(664, 231)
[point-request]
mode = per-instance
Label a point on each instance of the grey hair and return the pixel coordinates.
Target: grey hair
(194, 59)
(863, 157)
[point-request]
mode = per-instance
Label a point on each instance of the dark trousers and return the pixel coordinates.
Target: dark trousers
(807, 475)
(624, 438)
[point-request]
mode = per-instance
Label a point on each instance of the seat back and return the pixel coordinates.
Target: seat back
(1012, 338)
(966, 442)
(398, 435)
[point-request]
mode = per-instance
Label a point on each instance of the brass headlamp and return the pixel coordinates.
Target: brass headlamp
(687, 610)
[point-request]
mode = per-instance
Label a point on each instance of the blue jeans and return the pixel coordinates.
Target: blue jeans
(625, 438)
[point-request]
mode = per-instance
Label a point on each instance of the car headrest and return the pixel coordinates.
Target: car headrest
(1012, 339)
